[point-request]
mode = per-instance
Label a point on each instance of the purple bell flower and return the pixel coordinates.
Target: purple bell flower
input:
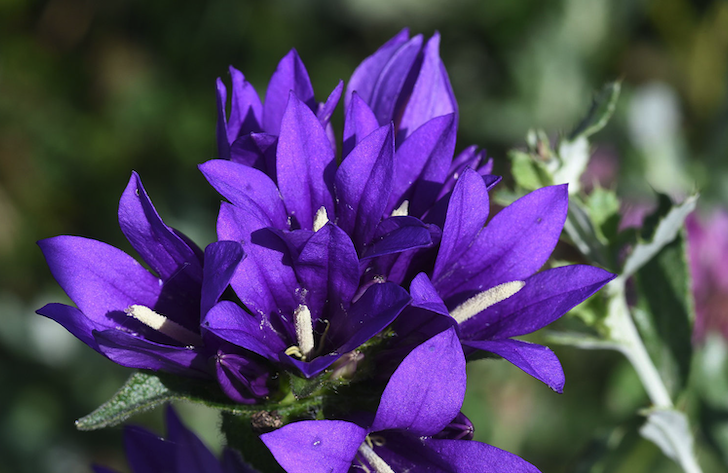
(422, 398)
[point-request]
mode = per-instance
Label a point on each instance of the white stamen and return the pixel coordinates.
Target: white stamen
(376, 462)
(162, 324)
(321, 219)
(402, 210)
(485, 299)
(304, 329)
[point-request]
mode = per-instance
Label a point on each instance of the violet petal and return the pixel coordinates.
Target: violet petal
(359, 123)
(221, 260)
(470, 456)
(290, 76)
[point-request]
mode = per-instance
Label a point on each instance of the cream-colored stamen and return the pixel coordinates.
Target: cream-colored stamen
(402, 210)
(321, 219)
(485, 299)
(304, 330)
(163, 325)
(376, 462)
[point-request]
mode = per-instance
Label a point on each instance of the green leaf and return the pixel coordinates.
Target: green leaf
(583, 234)
(665, 231)
(573, 158)
(665, 312)
(669, 430)
(528, 173)
(601, 110)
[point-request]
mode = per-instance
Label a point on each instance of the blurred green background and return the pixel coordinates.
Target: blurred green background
(90, 90)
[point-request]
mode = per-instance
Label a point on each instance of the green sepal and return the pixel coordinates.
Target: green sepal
(602, 108)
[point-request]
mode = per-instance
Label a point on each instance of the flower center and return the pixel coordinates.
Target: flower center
(304, 333)
(485, 299)
(163, 325)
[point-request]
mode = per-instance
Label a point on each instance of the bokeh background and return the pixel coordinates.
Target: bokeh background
(91, 90)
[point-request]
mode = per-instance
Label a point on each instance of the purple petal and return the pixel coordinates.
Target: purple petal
(76, 322)
(486, 168)
(545, 297)
(233, 462)
(134, 352)
(360, 122)
(221, 260)
(146, 452)
(241, 379)
(426, 391)
(264, 280)
(467, 213)
(432, 95)
(469, 157)
(513, 246)
(426, 315)
(366, 75)
(327, 108)
(98, 277)
(257, 150)
(398, 234)
(249, 189)
(246, 110)
(421, 164)
(328, 269)
(231, 323)
(467, 455)
(425, 296)
(223, 145)
(290, 76)
(537, 360)
(363, 183)
(315, 446)
(305, 164)
(389, 89)
(191, 455)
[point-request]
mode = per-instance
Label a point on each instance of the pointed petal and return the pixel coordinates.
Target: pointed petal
(432, 95)
(469, 157)
(366, 75)
(328, 269)
(221, 260)
(264, 280)
(426, 315)
(257, 150)
(315, 446)
(421, 164)
(223, 145)
(398, 234)
(360, 122)
(305, 164)
(231, 323)
(290, 76)
(134, 352)
(426, 391)
(76, 322)
(468, 455)
(146, 452)
(513, 246)
(425, 296)
(191, 455)
(327, 108)
(467, 213)
(249, 189)
(363, 183)
(546, 296)
(98, 277)
(246, 111)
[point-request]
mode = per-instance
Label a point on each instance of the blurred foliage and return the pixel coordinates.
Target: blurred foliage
(90, 90)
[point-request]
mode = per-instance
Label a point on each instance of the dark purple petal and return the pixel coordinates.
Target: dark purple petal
(359, 123)
(389, 89)
(242, 379)
(257, 150)
(363, 183)
(426, 391)
(309, 369)
(537, 360)
(290, 76)
(425, 296)
(221, 260)
(146, 452)
(233, 462)
(461, 428)
(103, 469)
(264, 280)
(223, 145)
(76, 322)
(134, 352)
(426, 315)
(545, 297)
(249, 189)
(366, 75)
(398, 234)
(246, 111)
(231, 323)
(421, 164)
(315, 446)
(305, 164)
(486, 168)
(191, 455)
(98, 277)
(467, 456)
(432, 95)
(513, 246)
(327, 108)
(467, 213)
(469, 157)
(328, 269)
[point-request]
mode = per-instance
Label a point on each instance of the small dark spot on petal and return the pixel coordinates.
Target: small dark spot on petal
(539, 220)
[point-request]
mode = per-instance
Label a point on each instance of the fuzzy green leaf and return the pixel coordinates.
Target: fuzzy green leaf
(601, 110)
(669, 430)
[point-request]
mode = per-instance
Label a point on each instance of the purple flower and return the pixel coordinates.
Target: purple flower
(180, 452)
(423, 397)
(149, 319)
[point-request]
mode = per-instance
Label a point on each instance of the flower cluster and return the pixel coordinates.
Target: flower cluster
(357, 261)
